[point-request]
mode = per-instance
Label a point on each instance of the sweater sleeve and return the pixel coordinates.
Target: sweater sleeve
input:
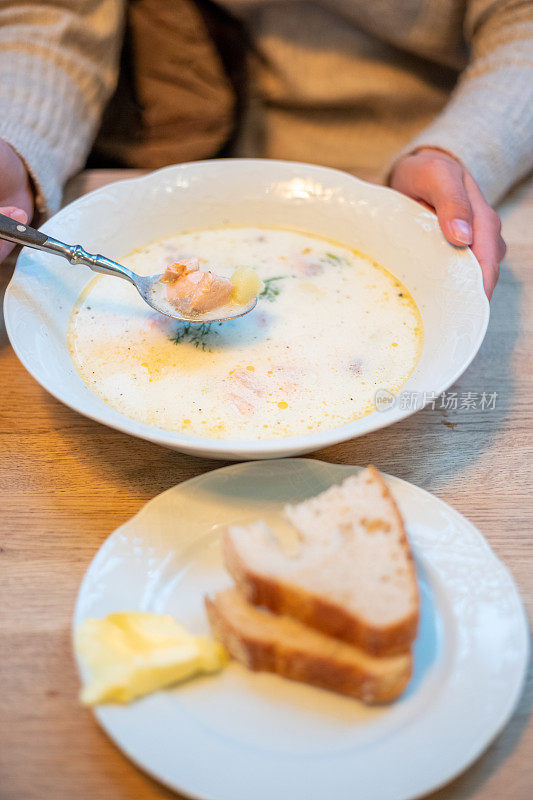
(488, 121)
(58, 67)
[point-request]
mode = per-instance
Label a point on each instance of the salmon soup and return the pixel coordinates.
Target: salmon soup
(330, 328)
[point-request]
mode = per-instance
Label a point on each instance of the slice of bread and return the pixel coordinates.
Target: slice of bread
(353, 576)
(263, 641)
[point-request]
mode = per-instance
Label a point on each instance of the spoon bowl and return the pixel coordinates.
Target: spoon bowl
(152, 291)
(150, 287)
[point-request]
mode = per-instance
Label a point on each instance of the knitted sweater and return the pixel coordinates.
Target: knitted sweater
(346, 83)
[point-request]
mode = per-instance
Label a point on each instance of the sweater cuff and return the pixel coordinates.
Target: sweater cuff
(490, 133)
(488, 168)
(39, 159)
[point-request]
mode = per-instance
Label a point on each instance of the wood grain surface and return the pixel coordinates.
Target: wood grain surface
(66, 483)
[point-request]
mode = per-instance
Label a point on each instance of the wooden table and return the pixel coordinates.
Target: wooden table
(67, 482)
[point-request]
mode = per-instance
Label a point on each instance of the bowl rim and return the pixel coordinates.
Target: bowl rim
(241, 448)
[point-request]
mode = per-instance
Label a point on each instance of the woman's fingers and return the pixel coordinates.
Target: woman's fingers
(16, 194)
(488, 245)
(436, 178)
(17, 214)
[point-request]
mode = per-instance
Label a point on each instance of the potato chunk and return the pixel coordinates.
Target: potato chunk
(246, 285)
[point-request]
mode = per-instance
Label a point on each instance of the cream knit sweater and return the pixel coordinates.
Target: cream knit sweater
(348, 83)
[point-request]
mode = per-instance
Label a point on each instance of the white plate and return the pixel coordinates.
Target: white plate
(253, 736)
(394, 230)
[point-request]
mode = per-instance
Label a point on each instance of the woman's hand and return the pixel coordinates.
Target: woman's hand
(16, 197)
(438, 180)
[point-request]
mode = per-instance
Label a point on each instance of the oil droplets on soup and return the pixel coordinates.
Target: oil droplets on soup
(330, 328)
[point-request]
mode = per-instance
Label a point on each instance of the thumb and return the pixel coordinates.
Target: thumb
(16, 213)
(445, 190)
(19, 215)
(437, 180)
(454, 213)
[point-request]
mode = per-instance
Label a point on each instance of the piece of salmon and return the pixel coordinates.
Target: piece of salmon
(241, 404)
(245, 389)
(193, 291)
(179, 269)
(308, 268)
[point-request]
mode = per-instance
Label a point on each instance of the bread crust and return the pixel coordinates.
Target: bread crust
(321, 613)
(264, 654)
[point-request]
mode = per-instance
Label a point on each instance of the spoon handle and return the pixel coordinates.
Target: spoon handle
(16, 232)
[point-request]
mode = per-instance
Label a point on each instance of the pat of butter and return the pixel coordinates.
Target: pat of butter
(131, 653)
(246, 285)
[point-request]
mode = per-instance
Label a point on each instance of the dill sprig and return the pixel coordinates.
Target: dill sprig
(270, 292)
(334, 259)
(196, 334)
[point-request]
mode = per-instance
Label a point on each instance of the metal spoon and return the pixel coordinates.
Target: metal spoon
(150, 288)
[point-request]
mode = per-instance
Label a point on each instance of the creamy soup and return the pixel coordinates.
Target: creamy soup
(330, 328)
